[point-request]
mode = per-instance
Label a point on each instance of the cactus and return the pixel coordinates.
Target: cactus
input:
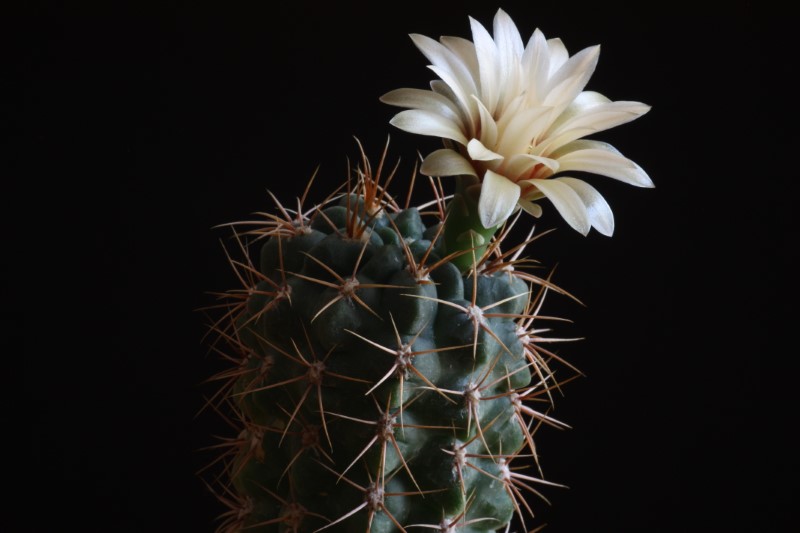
(387, 368)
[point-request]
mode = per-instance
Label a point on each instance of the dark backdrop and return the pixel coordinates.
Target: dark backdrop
(138, 129)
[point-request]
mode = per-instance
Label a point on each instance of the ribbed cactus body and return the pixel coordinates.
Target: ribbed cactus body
(379, 387)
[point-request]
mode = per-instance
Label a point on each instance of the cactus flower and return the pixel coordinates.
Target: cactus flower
(515, 116)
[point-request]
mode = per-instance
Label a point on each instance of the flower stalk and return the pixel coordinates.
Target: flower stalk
(463, 230)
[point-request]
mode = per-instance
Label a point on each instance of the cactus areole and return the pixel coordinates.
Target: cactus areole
(387, 365)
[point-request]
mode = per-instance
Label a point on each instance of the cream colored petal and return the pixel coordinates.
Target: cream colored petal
(464, 49)
(498, 199)
(551, 164)
(509, 55)
(478, 152)
(566, 83)
(517, 135)
(535, 68)
(518, 166)
(530, 207)
(421, 99)
(512, 108)
(449, 67)
(582, 103)
(600, 216)
(515, 107)
(488, 127)
(446, 162)
(592, 120)
(548, 166)
(427, 123)
(440, 87)
(507, 36)
(558, 54)
(486, 51)
(567, 203)
(441, 56)
(463, 94)
(604, 116)
(603, 159)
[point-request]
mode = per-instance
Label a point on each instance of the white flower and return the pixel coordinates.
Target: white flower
(515, 116)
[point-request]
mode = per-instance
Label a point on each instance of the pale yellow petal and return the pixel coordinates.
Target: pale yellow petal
(464, 49)
(478, 152)
(488, 127)
(463, 95)
(557, 53)
(600, 216)
(567, 203)
(571, 78)
(518, 166)
(425, 100)
(535, 68)
(498, 199)
(450, 68)
(530, 207)
(518, 134)
(427, 123)
(509, 54)
(442, 88)
(592, 120)
(603, 159)
(486, 51)
(446, 162)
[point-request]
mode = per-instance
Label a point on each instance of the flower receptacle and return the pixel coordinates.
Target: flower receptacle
(463, 230)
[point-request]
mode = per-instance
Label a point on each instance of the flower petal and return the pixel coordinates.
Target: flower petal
(535, 68)
(558, 54)
(462, 95)
(530, 207)
(444, 58)
(478, 152)
(464, 49)
(509, 54)
(421, 99)
(427, 123)
(582, 103)
(498, 199)
(446, 162)
(450, 68)
(603, 159)
(519, 132)
(571, 78)
(600, 215)
(488, 127)
(518, 166)
(597, 118)
(508, 39)
(440, 87)
(566, 201)
(549, 167)
(486, 50)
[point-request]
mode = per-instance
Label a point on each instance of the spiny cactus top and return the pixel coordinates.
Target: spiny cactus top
(388, 368)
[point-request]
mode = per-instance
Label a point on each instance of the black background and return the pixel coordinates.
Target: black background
(137, 129)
